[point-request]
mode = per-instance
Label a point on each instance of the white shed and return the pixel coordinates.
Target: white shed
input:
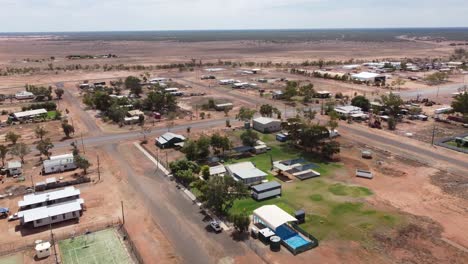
(14, 168)
(266, 124)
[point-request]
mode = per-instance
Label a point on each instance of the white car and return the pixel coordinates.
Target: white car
(13, 217)
(216, 226)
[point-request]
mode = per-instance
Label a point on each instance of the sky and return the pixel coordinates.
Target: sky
(120, 15)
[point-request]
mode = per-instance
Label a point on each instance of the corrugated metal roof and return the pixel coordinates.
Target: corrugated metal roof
(265, 120)
(30, 113)
(49, 211)
(35, 198)
(266, 186)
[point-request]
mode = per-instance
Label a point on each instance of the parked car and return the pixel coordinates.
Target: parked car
(13, 217)
(215, 225)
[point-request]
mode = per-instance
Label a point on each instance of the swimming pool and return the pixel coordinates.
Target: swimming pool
(296, 241)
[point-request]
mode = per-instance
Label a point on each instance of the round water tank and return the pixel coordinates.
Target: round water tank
(275, 243)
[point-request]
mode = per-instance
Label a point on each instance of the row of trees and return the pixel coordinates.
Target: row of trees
(201, 148)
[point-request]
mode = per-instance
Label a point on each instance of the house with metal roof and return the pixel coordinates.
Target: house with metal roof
(40, 199)
(266, 190)
(169, 140)
(266, 124)
(370, 77)
(246, 172)
(51, 214)
(218, 170)
(28, 114)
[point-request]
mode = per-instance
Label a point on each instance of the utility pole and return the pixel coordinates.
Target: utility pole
(167, 164)
(32, 183)
(433, 134)
(82, 143)
(123, 215)
(98, 169)
(53, 243)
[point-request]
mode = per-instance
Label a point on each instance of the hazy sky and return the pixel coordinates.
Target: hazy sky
(95, 15)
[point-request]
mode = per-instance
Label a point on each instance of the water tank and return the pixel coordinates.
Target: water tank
(275, 243)
(247, 125)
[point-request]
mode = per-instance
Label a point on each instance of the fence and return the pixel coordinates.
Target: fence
(131, 245)
(28, 242)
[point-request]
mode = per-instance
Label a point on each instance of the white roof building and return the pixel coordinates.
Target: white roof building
(50, 211)
(272, 216)
(218, 170)
(39, 198)
(30, 113)
(169, 139)
(246, 172)
(368, 77)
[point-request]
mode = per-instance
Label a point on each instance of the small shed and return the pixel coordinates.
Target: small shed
(266, 190)
(300, 216)
(281, 137)
(14, 168)
(266, 124)
(42, 249)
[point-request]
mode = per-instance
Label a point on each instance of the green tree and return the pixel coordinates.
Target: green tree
(249, 138)
(219, 142)
(267, 110)
(241, 222)
(82, 163)
(330, 148)
(436, 78)
(40, 132)
(392, 103)
(3, 153)
(460, 104)
(117, 113)
(391, 122)
(12, 137)
(134, 85)
(245, 114)
(362, 102)
(44, 147)
(20, 150)
(290, 91)
(67, 129)
(221, 192)
(59, 93)
(205, 170)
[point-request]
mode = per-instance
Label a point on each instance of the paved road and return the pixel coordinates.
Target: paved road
(180, 220)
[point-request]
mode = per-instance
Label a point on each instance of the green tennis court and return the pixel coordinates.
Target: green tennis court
(102, 247)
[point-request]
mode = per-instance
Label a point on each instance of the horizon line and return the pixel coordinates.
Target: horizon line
(255, 29)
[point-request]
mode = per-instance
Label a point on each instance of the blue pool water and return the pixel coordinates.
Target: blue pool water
(296, 241)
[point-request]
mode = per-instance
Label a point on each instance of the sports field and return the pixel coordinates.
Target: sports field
(103, 247)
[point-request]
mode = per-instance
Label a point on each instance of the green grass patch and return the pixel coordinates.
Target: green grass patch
(353, 191)
(454, 144)
(99, 247)
(316, 197)
(51, 115)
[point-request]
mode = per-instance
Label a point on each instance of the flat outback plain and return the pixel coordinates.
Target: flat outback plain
(413, 210)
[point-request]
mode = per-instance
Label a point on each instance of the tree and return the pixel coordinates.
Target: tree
(40, 132)
(245, 114)
(20, 150)
(241, 222)
(219, 142)
(44, 147)
(13, 137)
(290, 91)
(398, 82)
(460, 104)
(3, 153)
(184, 170)
(116, 113)
(249, 138)
(392, 103)
(205, 170)
(67, 129)
(203, 146)
(330, 148)
(59, 93)
(82, 163)
(220, 193)
(133, 83)
(362, 102)
(190, 150)
(391, 122)
(436, 78)
(267, 110)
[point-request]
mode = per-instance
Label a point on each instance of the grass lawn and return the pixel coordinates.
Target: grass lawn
(99, 247)
(333, 210)
(51, 115)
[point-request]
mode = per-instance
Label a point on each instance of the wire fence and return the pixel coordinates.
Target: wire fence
(28, 242)
(131, 245)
